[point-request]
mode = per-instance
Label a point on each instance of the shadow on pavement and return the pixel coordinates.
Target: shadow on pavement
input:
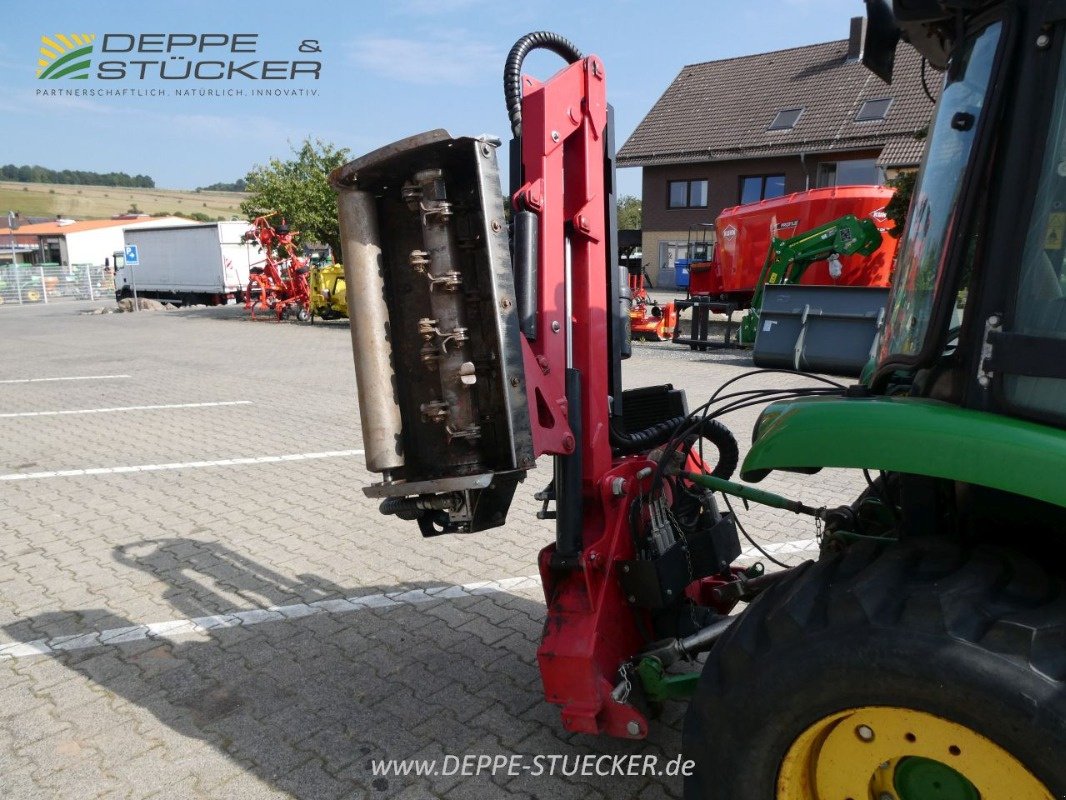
(307, 704)
(725, 356)
(238, 313)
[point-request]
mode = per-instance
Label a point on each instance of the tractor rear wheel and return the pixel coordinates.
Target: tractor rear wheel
(919, 671)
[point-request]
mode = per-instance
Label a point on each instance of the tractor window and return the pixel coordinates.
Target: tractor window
(920, 268)
(1040, 305)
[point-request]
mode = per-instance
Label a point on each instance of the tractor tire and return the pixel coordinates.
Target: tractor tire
(303, 315)
(918, 670)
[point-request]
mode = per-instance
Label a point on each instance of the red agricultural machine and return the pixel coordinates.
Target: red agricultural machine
(922, 655)
(279, 282)
(648, 320)
(743, 235)
(745, 241)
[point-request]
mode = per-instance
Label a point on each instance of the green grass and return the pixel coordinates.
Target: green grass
(102, 202)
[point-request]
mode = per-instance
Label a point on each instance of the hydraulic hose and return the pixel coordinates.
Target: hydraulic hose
(413, 507)
(512, 69)
(659, 434)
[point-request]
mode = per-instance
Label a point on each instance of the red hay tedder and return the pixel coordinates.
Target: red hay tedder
(279, 282)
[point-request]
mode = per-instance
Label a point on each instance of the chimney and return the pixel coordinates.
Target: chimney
(855, 39)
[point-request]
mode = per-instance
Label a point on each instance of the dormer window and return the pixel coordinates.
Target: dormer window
(785, 119)
(874, 110)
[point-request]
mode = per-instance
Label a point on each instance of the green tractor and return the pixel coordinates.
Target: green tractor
(923, 656)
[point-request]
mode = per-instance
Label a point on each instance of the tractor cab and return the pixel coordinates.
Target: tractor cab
(977, 314)
(947, 565)
(968, 393)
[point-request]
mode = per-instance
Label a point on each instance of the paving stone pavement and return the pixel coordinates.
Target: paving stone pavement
(293, 704)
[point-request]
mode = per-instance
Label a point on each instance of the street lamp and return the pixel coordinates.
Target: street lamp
(12, 223)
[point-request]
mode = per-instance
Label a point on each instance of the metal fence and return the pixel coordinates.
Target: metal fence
(50, 283)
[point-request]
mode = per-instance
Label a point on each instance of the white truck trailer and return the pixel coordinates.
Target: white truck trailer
(191, 264)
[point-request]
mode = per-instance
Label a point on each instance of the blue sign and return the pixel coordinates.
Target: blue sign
(132, 259)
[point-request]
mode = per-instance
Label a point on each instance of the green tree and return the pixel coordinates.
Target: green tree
(629, 212)
(298, 190)
(237, 186)
(900, 203)
(38, 174)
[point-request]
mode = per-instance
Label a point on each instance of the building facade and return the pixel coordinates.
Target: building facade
(745, 129)
(70, 243)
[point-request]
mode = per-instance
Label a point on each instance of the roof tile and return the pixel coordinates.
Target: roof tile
(720, 110)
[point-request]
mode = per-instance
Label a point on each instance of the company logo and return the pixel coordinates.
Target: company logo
(187, 65)
(65, 56)
(201, 57)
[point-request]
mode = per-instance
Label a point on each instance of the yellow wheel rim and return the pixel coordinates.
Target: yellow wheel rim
(886, 753)
(33, 295)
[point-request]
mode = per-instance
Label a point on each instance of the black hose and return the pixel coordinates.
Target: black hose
(661, 433)
(512, 69)
(925, 85)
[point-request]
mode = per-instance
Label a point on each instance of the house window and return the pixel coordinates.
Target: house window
(670, 252)
(857, 172)
(874, 110)
(785, 119)
(687, 194)
(754, 188)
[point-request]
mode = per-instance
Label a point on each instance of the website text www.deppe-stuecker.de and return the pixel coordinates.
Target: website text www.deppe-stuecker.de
(590, 765)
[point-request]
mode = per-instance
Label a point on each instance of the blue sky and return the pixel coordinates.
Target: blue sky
(389, 70)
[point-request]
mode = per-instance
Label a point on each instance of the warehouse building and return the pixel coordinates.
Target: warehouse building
(68, 242)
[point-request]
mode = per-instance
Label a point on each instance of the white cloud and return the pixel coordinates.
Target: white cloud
(449, 58)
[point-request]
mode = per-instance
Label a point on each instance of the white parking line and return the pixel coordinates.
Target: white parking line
(73, 378)
(125, 408)
(255, 616)
(225, 462)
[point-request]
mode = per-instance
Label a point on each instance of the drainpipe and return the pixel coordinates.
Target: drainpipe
(806, 174)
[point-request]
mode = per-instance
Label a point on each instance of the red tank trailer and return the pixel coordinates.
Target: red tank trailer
(743, 238)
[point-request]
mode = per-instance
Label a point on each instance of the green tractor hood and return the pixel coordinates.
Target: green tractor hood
(910, 435)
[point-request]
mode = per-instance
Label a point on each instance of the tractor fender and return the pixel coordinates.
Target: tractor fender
(909, 435)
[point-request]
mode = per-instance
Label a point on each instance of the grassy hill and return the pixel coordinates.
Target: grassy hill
(101, 202)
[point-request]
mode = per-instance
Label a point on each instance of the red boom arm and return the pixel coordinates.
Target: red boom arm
(590, 629)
